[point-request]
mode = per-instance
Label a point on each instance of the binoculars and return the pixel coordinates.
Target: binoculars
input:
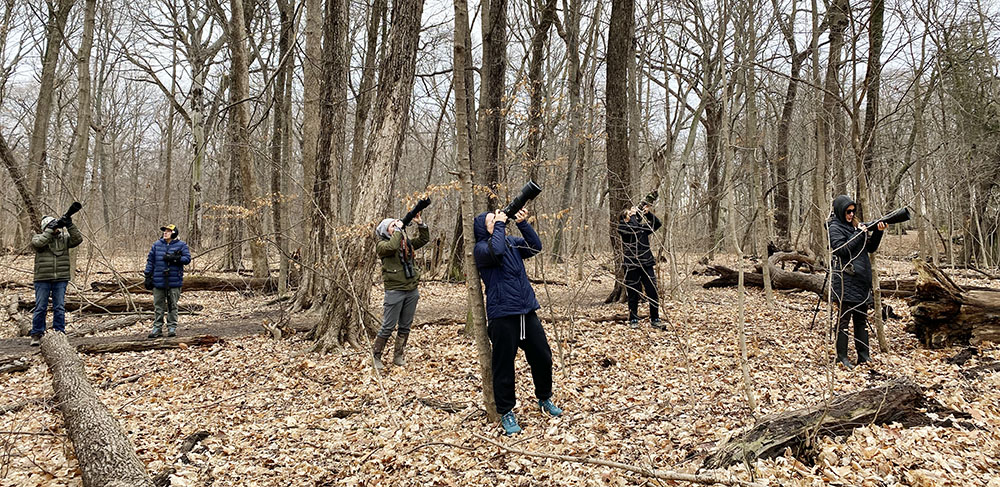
(528, 193)
(423, 203)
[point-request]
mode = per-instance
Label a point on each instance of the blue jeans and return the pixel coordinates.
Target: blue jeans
(44, 289)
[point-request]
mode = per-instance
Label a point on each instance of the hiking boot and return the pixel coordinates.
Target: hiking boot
(845, 362)
(377, 347)
(509, 423)
(399, 348)
(36, 340)
(659, 325)
(156, 333)
(171, 333)
(633, 324)
(550, 408)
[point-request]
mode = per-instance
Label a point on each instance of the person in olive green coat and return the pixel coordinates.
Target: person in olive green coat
(52, 272)
(400, 275)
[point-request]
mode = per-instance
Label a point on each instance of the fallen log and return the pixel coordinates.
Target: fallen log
(104, 452)
(14, 364)
(116, 305)
(899, 401)
(193, 283)
(110, 325)
(946, 314)
(143, 345)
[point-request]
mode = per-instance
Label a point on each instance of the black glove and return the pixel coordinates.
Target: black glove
(65, 221)
(54, 224)
(148, 281)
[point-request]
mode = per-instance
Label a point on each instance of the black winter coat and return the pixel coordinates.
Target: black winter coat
(850, 266)
(635, 234)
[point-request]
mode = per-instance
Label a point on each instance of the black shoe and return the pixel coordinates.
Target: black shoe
(36, 340)
(154, 334)
(171, 334)
(845, 362)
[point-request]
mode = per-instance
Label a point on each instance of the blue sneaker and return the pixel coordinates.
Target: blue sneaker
(550, 408)
(509, 423)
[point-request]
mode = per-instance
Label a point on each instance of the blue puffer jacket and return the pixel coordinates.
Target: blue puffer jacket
(851, 268)
(500, 260)
(167, 275)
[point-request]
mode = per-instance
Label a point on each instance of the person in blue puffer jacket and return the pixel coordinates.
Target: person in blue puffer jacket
(510, 311)
(165, 275)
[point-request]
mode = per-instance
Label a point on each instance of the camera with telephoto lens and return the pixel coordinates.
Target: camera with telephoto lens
(896, 216)
(529, 192)
(410, 215)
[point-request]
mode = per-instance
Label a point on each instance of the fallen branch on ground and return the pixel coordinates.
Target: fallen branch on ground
(645, 472)
(111, 325)
(142, 345)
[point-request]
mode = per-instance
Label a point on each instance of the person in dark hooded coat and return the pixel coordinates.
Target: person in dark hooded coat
(851, 283)
(510, 311)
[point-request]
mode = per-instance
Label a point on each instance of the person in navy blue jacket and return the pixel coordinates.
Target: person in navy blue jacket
(165, 275)
(510, 311)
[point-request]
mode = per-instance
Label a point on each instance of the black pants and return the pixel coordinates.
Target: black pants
(859, 312)
(644, 278)
(507, 335)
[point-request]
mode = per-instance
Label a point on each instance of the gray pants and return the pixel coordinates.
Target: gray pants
(165, 300)
(398, 307)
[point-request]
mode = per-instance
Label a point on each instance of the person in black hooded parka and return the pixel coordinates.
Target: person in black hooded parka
(851, 242)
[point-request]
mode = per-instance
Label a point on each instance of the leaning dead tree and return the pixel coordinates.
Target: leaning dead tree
(106, 455)
(946, 314)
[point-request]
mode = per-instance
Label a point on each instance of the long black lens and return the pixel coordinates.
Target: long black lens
(75, 207)
(528, 193)
(424, 203)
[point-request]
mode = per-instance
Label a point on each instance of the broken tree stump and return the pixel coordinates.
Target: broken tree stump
(946, 314)
(142, 345)
(194, 283)
(104, 452)
(899, 401)
(117, 305)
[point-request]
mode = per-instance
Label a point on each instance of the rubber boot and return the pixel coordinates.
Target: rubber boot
(397, 355)
(377, 349)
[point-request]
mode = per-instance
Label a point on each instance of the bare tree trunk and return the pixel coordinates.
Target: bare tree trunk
(473, 285)
(239, 95)
(575, 139)
(536, 86)
(311, 101)
(491, 91)
(81, 134)
(103, 450)
(819, 203)
(20, 182)
(281, 111)
(616, 92)
(366, 90)
(344, 317)
(37, 154)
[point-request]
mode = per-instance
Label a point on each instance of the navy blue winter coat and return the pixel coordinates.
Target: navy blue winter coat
(850, 266)
(167, 275)
(500, 260)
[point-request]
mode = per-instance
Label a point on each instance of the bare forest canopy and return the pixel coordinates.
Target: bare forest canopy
(285, 129)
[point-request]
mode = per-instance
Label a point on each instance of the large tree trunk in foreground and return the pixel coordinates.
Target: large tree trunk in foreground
(105, 454)
(946, 314)
(899, 401)
(618, 151)
(353, 260)
(193, 283)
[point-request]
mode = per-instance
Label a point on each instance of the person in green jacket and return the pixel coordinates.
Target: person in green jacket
(52, 272)
(400, 275)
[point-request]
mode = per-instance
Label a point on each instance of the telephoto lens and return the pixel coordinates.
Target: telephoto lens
(528, 193)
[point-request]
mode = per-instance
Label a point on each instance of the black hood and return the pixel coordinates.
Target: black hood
(840, 205)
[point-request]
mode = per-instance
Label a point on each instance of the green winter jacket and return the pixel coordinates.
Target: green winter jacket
(392, 263)
(52, 253)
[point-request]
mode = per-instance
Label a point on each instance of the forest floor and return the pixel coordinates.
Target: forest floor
(276, 415)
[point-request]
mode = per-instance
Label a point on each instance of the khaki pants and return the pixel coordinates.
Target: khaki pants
(165, 300)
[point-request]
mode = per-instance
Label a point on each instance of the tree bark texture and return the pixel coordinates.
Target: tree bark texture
(616, 91)
(104, 452)
(142, 345)
(239, 96)
(473, 285)
(946, 314)
(343, 317)
(491, 114)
